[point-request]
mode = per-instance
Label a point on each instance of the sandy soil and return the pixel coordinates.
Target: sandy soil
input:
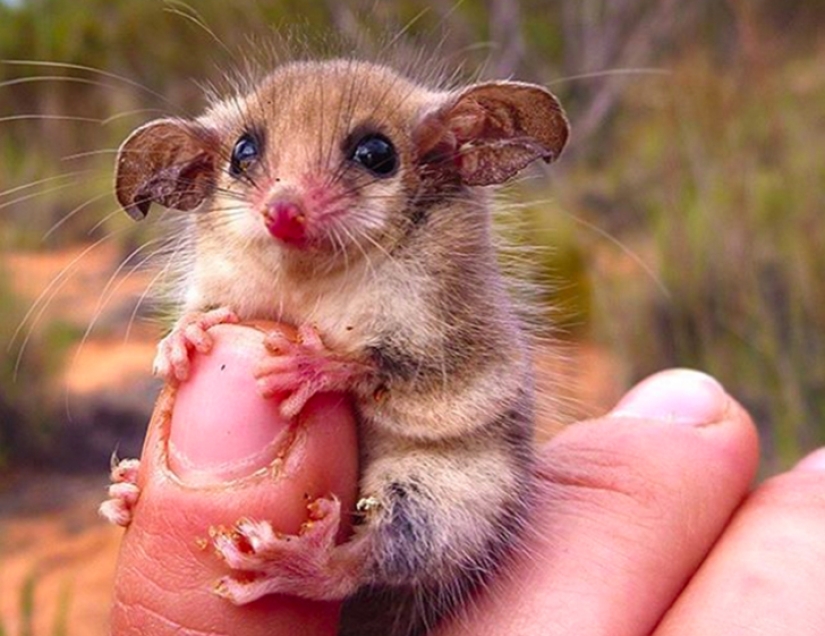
(82, 287)
(51, 539)
(52, 542)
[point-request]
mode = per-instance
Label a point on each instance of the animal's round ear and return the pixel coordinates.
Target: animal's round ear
(488, 132)
(172, 162)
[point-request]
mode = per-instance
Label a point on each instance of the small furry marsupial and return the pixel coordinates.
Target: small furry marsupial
(346, 199)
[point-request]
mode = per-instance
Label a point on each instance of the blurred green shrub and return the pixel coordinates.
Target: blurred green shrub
(723, 172)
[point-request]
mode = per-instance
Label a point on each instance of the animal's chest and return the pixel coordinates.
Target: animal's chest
(352, 310)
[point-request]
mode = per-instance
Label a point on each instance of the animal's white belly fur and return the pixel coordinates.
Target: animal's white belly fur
(349, 309)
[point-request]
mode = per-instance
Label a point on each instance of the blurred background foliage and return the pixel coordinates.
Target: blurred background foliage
(684, 224)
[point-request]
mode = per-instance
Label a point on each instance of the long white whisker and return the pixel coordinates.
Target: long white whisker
(47, 290)
(34, 184)
(647, 269)
(88, 69)
(197, 19)
(340, 248)
(159, 276)
(38, 116)
(611, 72)
(39, 193)
(89, 153)
(102, 221)
(52, 78)
(369, 265)
(38, 307)
(113, 284)
(71, 214)
(130, 113)
(108, 292)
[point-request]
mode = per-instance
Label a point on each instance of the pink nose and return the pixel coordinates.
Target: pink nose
(286, 221)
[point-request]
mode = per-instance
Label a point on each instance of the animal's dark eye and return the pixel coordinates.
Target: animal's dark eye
(377, 154)
(244, 155)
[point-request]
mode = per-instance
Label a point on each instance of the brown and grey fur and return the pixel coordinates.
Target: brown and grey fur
(408, 284)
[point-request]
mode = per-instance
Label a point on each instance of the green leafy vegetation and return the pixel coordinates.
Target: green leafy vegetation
(728, 188)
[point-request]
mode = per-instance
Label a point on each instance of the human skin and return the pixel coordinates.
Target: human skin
(646, 521)
(206, 463)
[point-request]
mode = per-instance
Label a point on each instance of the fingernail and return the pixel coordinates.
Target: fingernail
(221, 429)
(813, 462)
(681, 396)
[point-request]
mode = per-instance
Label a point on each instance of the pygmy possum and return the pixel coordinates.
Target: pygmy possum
(346, 199)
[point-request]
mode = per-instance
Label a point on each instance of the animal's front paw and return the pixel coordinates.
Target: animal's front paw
(190, 333)
(303, 368)
(308, 564)
(123, 492)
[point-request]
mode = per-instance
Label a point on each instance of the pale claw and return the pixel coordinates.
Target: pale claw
(307, 564)
(190, 333)
(123, 492)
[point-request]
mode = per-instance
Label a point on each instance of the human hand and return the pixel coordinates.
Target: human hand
(647, 525)
(631, 506)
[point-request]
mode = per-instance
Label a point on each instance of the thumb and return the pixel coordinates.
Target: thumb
(216, 452)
